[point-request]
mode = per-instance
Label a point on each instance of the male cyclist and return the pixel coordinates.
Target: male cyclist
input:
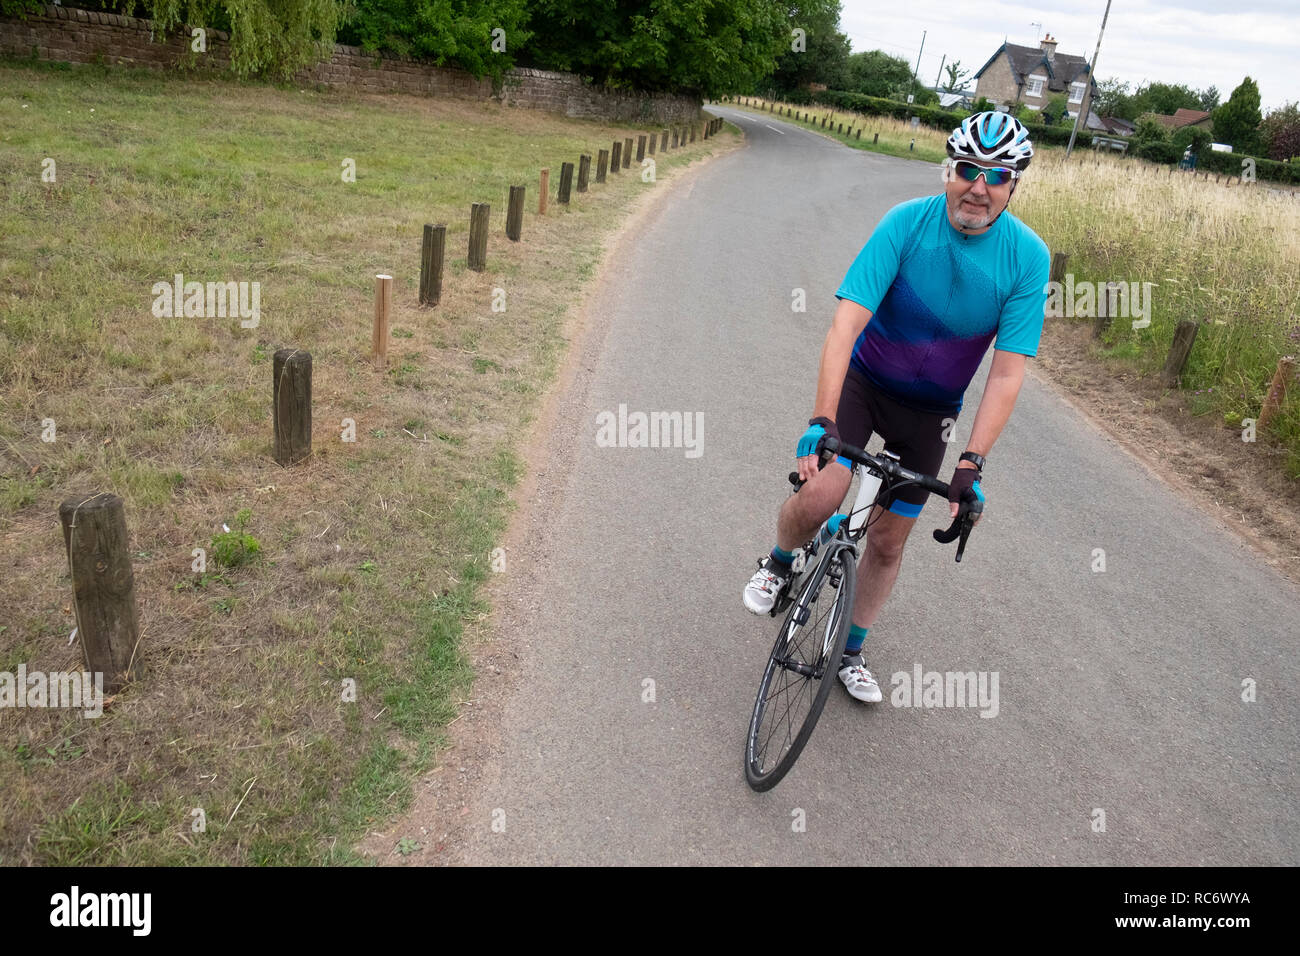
(939, 279)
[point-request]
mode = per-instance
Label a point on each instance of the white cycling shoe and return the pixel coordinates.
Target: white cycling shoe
(762, 589)
(858, 680)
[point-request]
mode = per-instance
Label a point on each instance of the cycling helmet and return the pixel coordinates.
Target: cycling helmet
(993, 137)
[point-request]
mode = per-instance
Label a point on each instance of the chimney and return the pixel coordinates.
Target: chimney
(1048, 46)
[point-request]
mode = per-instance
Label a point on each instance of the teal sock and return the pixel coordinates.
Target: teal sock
(856, 636)
(784, 559)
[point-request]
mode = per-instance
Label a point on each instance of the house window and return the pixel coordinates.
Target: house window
(1034, 86)
(1076, 92)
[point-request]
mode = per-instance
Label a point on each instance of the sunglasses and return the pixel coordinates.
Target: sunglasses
(997, 176)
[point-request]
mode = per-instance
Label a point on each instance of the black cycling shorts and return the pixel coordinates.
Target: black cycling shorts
(916, 437)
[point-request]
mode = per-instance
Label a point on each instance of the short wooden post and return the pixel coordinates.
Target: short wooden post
(1277, 390)
(602, 163)
(840, 130)
(1179, 351)
(663, 143)
(291, 404)
(584, 172)
(823, 122)
(875, 138)
(627, 153)
(478, 235)
(640, 147)
(1059, 260)
(566, 183)
(693, 125)
(515, 213)
(545, 192)
(1105, 310)
(674, 137)
(103, 587)
(383, 310)
(650, 147)
(616, 157)
(859, 135)
(431, 256)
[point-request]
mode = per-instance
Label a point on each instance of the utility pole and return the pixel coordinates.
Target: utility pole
(918, 56)
(939, 75)
(1086, 104)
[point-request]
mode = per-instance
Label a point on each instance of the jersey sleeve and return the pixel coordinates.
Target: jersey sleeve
(1021, 324)
(876, 266)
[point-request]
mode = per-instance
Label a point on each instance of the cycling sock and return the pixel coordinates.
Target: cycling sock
(782, 559)
(856, 636)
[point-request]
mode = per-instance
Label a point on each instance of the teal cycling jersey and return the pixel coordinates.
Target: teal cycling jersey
(938, 297)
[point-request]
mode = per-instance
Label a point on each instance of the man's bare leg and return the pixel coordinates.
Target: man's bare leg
(803, 513)
(881, 559)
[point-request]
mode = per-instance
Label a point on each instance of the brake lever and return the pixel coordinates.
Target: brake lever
(961, 527)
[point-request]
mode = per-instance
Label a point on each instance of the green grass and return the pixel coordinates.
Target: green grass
(372, 555)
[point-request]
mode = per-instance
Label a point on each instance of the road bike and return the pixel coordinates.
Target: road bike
(818, 606)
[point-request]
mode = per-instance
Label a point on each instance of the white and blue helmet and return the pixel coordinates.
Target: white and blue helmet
(992, 137)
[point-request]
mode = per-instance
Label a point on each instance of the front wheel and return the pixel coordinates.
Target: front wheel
(800, 670)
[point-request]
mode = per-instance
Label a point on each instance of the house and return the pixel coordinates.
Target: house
(1181, 118)
(1033, 75)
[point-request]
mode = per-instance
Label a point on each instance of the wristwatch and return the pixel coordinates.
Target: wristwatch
(976, 460)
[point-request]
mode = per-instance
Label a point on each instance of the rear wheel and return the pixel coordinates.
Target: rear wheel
(801, 669)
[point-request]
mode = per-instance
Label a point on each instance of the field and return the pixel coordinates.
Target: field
(372, 554)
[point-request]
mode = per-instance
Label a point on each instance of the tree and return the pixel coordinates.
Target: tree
(1195, 138)
(1210, 99)
(1236, 122)
(823, 54)
(455, 31)
(877, 73)
(274, 37)
(1150, 140)
(956, 76)
(1113, 99)
(1055, 110)
(693, 46)
(1280, 133)
(1166, 98)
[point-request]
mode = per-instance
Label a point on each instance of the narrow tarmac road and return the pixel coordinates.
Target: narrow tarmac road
(1119, 690)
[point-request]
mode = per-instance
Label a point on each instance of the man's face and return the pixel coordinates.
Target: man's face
(972, 207)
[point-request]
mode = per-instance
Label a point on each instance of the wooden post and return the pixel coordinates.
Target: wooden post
(1277, 390)
(515, 213)
(654, 138)
(1105, 310)
(478, 234)
(859, 136)
(840, 130)
(627, 153)
(291, 404)
(1181, 348)
(431, 254)
(663, 143)
(875, 138)
(545, 192)
(693, 132)
(103, 587)
(602, 162)
(640, 147)
(674, 137)
(566, 183)
(383, 309)
(584, 172)
(1059, 260)
(616, 157)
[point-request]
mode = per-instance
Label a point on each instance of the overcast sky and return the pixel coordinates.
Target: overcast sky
(1196, 42)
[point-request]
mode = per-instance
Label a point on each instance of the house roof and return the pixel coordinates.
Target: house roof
(1180, 118)
(1114, 124)
(1062, 70)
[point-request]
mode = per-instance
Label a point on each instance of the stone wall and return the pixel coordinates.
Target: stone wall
(69, 35)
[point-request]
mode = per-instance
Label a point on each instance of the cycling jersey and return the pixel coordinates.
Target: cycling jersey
(937, 299)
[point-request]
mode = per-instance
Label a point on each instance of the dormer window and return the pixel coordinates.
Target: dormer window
(1076, 92)
(1034, 85)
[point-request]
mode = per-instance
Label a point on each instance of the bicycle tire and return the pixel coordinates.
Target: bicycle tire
(761, 773)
